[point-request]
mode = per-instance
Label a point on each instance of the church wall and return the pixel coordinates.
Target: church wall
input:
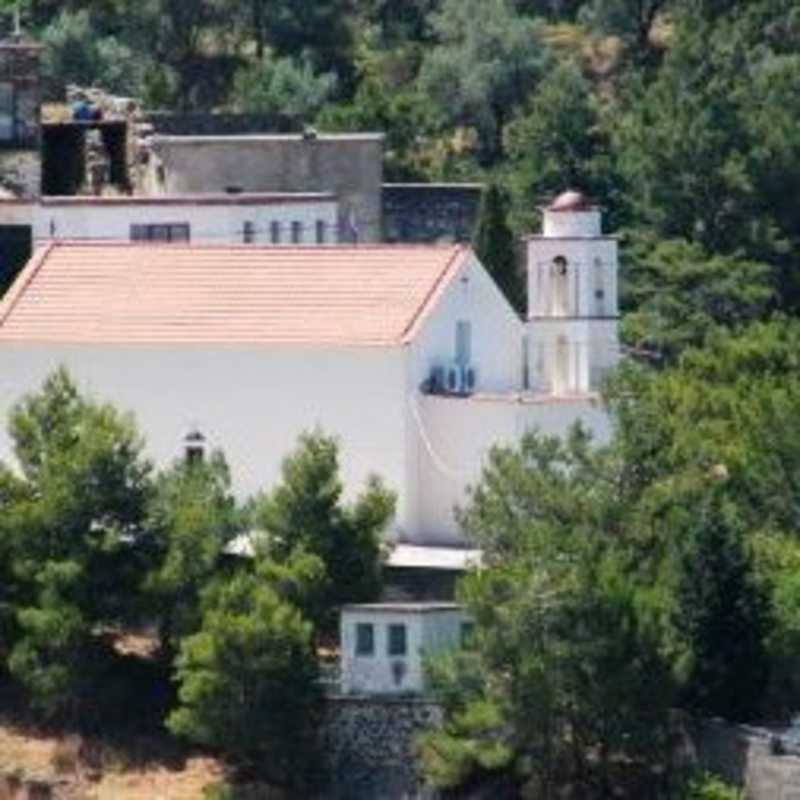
(496, 354)
(252, 402)
(496, 332)
(456, 437)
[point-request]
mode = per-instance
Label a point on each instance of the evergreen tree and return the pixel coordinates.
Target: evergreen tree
(486, 62)
(73, 526)
(494, 245)
(721, 615)
(248, 682)
(191, 516)
(305, 513)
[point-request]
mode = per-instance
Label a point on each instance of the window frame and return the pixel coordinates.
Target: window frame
(360, 650)
(161, 232)
(275, 232)
(392, 648)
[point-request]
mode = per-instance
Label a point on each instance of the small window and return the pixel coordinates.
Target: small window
(320, 231)
(168, 232)
(297, 232)
(7, 112)
(463, 341)
(397, 640)
(275, 232)
(248, 232)
(365, 639)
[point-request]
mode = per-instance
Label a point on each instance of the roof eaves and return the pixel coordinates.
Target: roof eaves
(23, 280)
(438, 288)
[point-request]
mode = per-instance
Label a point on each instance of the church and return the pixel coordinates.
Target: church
(409, 355)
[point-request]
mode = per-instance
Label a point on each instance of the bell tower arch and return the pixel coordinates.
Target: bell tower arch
(572, 299)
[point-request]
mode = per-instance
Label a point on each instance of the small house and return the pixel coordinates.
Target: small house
(384, 645)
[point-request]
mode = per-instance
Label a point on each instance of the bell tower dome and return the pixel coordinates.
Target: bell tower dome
(572, 299)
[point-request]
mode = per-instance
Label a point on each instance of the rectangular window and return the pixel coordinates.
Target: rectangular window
(248, 232)
(7, 112)
(365, 639)
(275, 232)
(297, 231)
(463, 341)
(397, 640)
(169, 232)
(320, 231)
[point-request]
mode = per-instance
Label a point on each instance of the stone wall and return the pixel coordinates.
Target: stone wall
(20, 164)
(368, 746)
(757, 759)
(435, 212)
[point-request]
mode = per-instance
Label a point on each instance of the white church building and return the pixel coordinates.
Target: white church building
(410, 355)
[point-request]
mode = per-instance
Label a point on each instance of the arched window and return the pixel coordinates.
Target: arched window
(559, 287)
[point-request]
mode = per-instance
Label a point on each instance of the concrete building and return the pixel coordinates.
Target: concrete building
(347, 165)
(280, 219)
(384, 645)
(20, 130)
(409, 354)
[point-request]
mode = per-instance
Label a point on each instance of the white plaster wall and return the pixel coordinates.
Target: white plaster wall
(496, 354)
(16, 212)
(585, 257)
(572, 223)
(221, 223)
(426, 633)
(457, 435)
(496, 331)
(252, 402)
(373, 674)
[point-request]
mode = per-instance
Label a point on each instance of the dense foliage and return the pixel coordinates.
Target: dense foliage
(97, 545)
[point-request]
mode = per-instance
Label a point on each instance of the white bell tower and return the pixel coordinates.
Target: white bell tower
(572, 299)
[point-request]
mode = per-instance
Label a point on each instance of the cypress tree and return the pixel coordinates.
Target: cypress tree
(721, 615)
(494, 244)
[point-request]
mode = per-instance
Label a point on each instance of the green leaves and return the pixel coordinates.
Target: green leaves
(304, 512)
(251, 667)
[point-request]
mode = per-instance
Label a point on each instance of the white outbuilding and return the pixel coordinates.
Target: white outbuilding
(384, 645)
(410, 355)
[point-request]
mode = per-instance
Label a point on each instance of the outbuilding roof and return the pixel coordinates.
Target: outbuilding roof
(120, 293)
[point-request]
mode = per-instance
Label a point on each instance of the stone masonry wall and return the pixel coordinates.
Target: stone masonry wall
(368, 746)
(747, 757)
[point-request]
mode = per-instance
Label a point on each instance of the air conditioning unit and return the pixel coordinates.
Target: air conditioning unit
(469, 378)
(454, 378)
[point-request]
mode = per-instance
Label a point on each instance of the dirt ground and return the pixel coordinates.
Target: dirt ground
(83, 771)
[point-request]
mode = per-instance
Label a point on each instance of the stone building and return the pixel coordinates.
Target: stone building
(20, 101)
(347, 165)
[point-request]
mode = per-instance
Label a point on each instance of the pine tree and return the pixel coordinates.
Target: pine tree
(721, 615)
(494, 244)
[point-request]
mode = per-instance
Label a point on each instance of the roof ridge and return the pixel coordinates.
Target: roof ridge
(435, 291)
(23, 280)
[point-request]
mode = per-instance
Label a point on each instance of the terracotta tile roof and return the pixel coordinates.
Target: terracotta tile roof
(143, 293)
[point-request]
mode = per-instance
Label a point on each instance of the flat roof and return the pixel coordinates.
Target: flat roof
(414, 556)
(232, 138)
(408, 608)
(210, 199)
(440, 185)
